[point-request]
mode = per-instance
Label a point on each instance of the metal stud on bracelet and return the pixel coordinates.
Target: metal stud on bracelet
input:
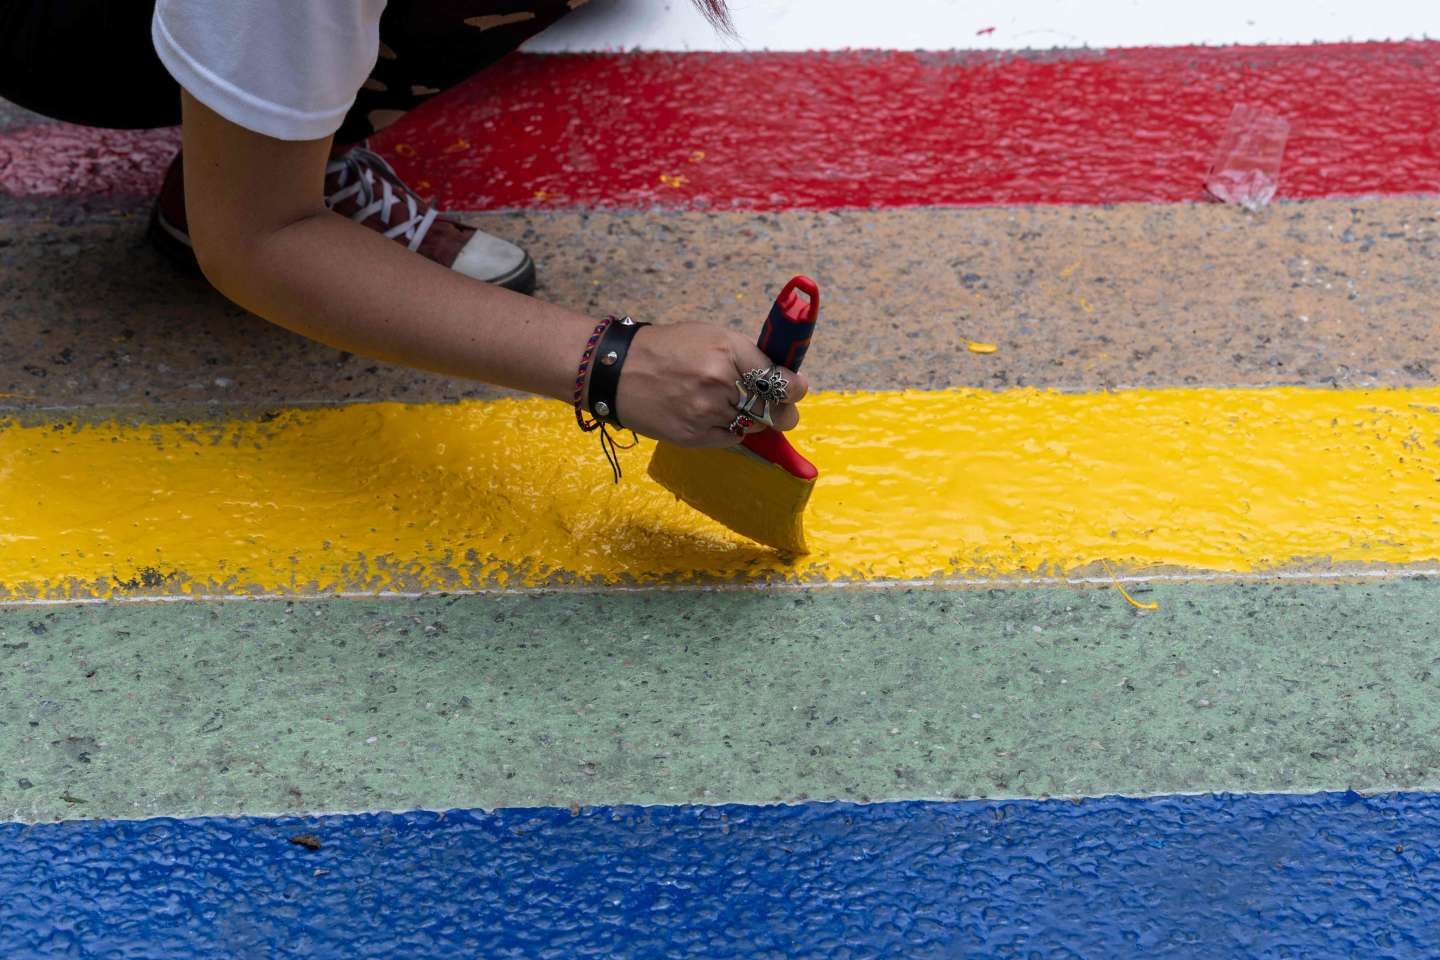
(602, 397)
(612, 350)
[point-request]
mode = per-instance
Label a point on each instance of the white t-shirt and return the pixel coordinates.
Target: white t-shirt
(284, 68)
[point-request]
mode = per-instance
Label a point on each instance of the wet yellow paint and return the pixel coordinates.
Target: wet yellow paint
(975, 346)
(913, 484)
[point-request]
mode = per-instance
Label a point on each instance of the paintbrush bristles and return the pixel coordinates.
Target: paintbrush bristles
(747, 494)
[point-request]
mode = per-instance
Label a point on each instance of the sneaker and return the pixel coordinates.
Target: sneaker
(362, 186)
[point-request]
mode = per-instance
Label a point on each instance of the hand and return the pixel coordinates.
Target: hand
(678, 385)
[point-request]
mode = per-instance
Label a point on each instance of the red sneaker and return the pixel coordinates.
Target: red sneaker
(362, 186)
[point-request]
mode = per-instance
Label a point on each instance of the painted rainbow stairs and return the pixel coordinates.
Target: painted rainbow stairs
(1118, 641)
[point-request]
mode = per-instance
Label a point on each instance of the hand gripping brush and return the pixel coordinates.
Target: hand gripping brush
(760, 488)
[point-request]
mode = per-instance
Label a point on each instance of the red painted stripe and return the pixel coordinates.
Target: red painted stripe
(62, 160)
(817, 130)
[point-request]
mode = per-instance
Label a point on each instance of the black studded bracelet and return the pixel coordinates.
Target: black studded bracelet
(604, 355)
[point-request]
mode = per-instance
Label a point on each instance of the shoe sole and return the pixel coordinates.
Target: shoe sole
(171, 242)
(177, 249)
(521, 279)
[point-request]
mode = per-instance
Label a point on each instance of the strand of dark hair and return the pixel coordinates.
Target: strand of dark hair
(719, 17)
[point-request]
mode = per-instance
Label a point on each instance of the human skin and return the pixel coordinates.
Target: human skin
(265, 240)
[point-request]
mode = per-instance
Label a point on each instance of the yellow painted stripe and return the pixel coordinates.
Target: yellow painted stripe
(913, 484)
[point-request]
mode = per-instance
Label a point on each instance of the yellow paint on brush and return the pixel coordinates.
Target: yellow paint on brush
(913, 484)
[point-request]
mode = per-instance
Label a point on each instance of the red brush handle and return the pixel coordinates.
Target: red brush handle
(784, 339)
(791, 323)
(771, 445)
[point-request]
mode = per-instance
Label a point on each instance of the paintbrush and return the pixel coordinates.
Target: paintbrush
(760, 488)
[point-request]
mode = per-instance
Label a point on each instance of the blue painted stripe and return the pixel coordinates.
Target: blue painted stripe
(1267, 875)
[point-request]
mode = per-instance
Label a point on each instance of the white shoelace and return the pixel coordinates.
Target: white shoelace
(355, 176)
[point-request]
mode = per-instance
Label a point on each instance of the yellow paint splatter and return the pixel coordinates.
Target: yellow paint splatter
(541, 194)
(1085, 305)
(457, 146)
(404, 150)
(913, 484)
(974, 346)
(1070, 269)
(697, 155)
(423, 185)
(1126, 593)
(674, 181)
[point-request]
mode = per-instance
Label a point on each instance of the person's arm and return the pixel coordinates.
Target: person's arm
(265, 240)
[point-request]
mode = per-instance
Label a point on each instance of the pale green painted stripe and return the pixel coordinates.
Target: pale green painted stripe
(263, 706)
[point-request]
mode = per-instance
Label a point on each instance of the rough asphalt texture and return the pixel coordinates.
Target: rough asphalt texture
(1077, 298)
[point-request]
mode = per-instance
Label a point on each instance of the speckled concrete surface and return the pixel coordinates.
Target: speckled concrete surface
(1319, 292)
(681, 697)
